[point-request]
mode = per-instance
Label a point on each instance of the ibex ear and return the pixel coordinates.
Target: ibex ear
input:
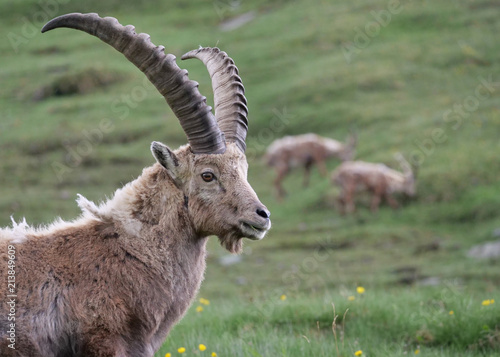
(165, 158)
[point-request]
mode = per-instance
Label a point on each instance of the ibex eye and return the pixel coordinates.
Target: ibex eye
(207, 176)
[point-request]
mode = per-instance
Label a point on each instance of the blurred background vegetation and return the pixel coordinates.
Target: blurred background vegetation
(76, 117)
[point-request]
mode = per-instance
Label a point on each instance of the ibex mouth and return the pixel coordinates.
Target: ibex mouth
(255, 231)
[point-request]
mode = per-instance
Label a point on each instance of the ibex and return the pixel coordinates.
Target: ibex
(377, 179)
(305, 151)
(114, 281)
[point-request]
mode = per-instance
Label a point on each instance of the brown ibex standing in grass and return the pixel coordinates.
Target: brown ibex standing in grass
(377, 179)
(305, 151)
(115, 281)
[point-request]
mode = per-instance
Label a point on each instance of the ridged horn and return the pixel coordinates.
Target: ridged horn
(229, 94)
(181, 94)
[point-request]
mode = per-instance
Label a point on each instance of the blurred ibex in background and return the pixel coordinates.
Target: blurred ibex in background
(306, 151)
(377, 179)
(115, 281)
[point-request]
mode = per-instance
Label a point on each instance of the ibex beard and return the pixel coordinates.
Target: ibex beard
(115, 281)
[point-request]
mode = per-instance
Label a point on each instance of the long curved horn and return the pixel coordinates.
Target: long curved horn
(181, 94)
(229, 94)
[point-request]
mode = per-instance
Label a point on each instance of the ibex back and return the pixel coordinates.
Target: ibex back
(306, 151)
(377, 179)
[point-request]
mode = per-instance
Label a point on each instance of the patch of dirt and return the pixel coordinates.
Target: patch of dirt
(314, 246)
(48, 50)
(42, 147)
(484, 5)
(405, 270)
(85, 81)
(407, 275)
(426, 248)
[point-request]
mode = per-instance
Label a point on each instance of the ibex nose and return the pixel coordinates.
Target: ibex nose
(263, 212)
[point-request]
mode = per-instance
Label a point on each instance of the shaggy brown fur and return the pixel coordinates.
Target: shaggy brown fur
(305, 151)
(115, 281)
(377, 179)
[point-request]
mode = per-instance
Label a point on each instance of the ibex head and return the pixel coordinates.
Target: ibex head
(219, 199)
(211, 171)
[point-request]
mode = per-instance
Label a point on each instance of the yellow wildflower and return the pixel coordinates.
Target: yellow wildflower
(199, 308)
(417, 351)
(358, 353)
(492, 301)
(168, 354)
(451, 312)
(486, 302)
(204, 301)
(360, 290)
(181, 350)
(283, 297)
(214, 354)
(202, 347)
(351, 298)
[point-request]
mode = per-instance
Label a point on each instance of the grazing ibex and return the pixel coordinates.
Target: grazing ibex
(377, 179)
(305, 151)
(115, 281)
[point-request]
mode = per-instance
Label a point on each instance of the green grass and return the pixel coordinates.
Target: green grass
(378, 323)
(395, 92)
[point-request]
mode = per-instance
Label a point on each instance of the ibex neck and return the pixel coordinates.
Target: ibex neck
(149, 208)
(159, 205)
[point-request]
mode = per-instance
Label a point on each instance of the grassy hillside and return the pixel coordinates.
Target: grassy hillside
(424, 80)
